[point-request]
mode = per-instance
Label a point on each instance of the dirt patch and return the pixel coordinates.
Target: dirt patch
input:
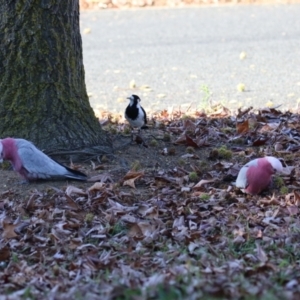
(128, 154)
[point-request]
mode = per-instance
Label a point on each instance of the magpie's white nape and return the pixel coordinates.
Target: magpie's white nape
(135, 114)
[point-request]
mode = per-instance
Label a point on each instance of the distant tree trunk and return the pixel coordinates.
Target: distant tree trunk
(43, 95)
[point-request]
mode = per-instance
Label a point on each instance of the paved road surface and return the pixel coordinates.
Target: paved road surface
(178, 51)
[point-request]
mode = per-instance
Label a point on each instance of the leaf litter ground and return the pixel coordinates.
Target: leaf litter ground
(161, 218)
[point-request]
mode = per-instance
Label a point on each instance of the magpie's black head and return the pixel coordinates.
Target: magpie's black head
(134, 99)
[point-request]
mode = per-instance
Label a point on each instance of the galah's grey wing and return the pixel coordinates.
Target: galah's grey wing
(37, 163)
(41, 166)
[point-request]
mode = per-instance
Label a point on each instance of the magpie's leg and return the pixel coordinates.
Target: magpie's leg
(132, 134)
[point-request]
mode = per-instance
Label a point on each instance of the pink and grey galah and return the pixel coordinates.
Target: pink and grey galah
(256, 175)
(32, 164)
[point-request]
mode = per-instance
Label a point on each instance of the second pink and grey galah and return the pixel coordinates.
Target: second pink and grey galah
(32, 164)
(256, 175)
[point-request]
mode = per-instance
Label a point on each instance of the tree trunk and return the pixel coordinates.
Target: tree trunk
(43, 95)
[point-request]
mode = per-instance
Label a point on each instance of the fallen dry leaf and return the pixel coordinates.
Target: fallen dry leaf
(8, 229)
(4, 252)
(203, 182)
(242, 126)
(74, 190)
(130, 178)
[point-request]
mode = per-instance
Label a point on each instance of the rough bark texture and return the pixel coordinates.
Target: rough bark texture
(42, 86)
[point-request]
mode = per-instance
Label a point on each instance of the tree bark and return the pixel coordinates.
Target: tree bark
(43, 95)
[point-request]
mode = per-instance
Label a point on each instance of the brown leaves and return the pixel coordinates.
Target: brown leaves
(203, 182)
(12, 229)
(196, 134)
(74, 190)
(8, 229)
(242, 127)
(190, 142)
(260, 141)
(105, 177)
(4, 252)
(177, 228)
(131, 177)
(97, 186)
(142, 229)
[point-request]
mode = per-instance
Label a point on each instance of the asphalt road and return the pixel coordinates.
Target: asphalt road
(179, 53)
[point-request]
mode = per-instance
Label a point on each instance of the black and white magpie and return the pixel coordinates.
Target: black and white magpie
(135, 114)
